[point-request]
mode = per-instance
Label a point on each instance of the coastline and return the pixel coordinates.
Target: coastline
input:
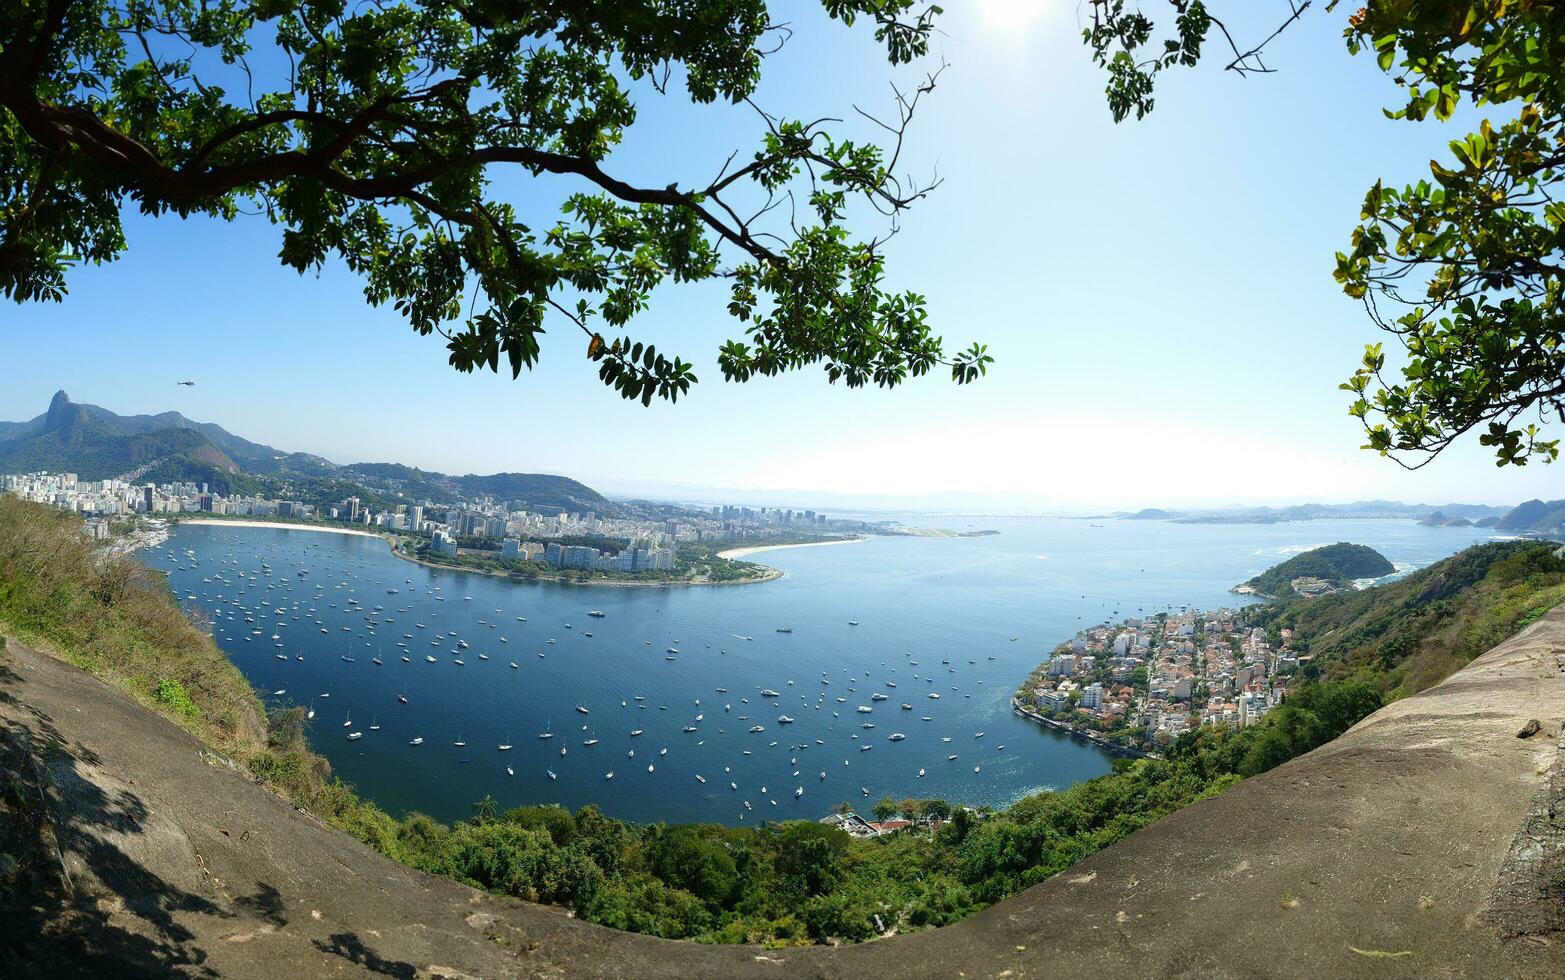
(280, 525)
(770, 575)
(745, 552)
(1112, 748)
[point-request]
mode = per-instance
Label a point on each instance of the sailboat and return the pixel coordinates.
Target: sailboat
(374, 725)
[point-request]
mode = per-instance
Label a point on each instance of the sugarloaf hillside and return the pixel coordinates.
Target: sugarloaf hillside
(1332, 568)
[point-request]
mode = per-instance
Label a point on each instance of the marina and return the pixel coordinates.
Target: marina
(433, 750)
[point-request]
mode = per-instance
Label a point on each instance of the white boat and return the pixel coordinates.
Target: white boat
(609, 775)
(581, 709)
(509, 771)
(700, 778)
(784, 720)
(896, 737)
(798, 792)
(864, 709)
(921, 774)
(417, 741)
(355, 736)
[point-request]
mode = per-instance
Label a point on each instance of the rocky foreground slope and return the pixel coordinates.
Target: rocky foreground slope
(1428, 841)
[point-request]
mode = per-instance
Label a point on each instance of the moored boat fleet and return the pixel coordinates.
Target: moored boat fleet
(257, 606)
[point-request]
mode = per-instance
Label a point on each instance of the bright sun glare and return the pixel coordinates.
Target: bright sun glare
(1012, 14)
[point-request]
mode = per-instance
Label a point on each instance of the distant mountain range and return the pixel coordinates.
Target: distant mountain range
(1534, 516)
(97, 444)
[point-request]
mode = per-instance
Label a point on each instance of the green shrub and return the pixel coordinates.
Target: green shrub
(173, 696)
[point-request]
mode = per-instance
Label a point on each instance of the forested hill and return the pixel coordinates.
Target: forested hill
(1404, 636)
(1337, 564)
(97, 444)
(535, 491)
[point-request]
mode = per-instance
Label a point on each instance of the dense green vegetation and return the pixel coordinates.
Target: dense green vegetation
(793, 882)
(1338, 564)
(428, 104)
(1404, 636)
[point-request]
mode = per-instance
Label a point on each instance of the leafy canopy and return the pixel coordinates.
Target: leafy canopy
(1464, 268)
(371, 132)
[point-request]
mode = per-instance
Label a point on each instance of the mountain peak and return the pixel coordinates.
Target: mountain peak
(59, 410)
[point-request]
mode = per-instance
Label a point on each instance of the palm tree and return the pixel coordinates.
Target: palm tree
(485, 809)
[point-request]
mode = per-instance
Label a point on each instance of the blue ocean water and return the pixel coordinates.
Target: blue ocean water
(962, 618)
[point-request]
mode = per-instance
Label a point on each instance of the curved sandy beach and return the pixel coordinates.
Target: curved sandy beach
(213, 522)
(757, 549)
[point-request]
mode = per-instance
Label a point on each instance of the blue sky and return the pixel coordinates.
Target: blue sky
(1157, 295)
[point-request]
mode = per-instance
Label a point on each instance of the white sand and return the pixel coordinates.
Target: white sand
(747, 552)
(282, 525)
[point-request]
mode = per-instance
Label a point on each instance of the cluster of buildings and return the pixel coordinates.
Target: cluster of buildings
(1148, 680)
(850, 823)
(484, 526)
(636, 557)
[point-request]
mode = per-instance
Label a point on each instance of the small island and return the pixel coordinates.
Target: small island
(1320, 571)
